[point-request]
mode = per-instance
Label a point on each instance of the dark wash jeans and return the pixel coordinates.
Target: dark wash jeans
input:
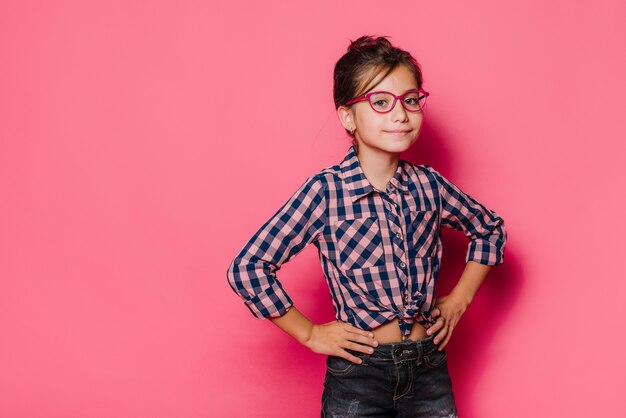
(400, 379)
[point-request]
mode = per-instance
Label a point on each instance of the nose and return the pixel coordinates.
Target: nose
(398, 112)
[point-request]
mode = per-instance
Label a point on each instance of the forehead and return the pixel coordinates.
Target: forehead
(397, 81)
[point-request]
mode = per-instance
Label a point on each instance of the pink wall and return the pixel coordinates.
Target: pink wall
(142, 143)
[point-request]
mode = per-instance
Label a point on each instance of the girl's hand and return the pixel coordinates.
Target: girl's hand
(331, 339)
(449, 310)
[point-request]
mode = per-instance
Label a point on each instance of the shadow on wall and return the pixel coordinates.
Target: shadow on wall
(470, 345)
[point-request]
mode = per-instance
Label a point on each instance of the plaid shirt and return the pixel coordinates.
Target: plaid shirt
(379, 250)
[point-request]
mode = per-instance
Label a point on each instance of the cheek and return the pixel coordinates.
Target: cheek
(417, 119)
(371, 124)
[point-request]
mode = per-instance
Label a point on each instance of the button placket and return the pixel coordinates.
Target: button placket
(399, 247)
(398, 244)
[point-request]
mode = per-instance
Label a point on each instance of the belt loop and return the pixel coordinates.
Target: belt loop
(420, 352)
(365, 358)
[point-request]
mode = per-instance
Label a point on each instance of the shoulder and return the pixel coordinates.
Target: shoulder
(314, 188)
(327, 176)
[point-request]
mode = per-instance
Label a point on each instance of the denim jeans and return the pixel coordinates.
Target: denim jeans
(400, 379)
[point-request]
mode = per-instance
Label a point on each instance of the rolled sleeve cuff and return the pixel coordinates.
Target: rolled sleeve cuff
(485, 252)
(272, 303)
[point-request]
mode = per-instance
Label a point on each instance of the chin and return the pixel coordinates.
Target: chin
(398, 147)
(398, 144)
(391, 143)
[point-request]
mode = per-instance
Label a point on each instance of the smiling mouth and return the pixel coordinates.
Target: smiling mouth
(399, 132)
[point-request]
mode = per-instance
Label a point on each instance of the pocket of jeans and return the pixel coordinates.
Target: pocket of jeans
(359, 242)
(435, 359)
(339, 366)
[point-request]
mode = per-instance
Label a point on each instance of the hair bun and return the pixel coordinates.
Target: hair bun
(367, 41)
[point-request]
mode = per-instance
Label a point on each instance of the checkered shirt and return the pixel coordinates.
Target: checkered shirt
(380, 250)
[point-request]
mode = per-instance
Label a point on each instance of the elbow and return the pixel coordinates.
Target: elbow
(488, 249)
(501, 234)
(232, 275)
(498, 234)
(499, 242)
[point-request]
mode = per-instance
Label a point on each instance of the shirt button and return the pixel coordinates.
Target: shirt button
(399, 235)
(402, 264)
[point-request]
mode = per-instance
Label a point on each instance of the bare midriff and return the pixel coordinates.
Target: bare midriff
(390, 332)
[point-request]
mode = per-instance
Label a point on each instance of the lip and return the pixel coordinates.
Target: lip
(399, 131)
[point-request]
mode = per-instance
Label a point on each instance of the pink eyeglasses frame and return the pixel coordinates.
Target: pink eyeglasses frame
(366, 96)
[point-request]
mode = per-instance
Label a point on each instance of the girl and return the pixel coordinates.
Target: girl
(375, 220)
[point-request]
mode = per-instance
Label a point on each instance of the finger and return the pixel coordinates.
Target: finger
(439, 323)
(436, 312)
(362, 336)
(350, 357)
(447, 339)
(433, 328)
(359, 331)
(358, 347)
(440, 335)
(363, 340)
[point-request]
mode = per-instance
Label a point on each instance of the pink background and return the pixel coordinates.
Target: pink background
(143, 143)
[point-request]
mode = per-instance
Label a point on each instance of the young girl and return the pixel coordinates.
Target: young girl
(375, 220)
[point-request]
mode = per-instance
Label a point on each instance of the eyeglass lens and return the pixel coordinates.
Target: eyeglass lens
(382, 102)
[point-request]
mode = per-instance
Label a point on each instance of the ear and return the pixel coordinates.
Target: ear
(345, 117)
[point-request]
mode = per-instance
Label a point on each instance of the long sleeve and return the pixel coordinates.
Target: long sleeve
(484, 227)
(252, 274)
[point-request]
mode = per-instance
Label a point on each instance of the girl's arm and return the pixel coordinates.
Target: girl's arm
(484, 227)
(470, 281)
(329, 338)
(487, 234)
(252, 274)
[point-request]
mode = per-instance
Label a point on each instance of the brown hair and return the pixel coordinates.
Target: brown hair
(368, 56)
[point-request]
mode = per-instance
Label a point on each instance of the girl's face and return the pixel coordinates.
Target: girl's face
(391, 132)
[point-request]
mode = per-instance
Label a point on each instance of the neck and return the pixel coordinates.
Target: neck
(378, 166)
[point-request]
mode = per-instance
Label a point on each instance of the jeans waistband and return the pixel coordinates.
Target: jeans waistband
(401, 350)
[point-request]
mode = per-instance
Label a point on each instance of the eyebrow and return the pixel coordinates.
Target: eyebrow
(373, 91)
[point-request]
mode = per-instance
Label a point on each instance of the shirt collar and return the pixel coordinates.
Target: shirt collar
(359, 185)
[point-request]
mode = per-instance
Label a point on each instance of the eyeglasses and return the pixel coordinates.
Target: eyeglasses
(383, 101)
